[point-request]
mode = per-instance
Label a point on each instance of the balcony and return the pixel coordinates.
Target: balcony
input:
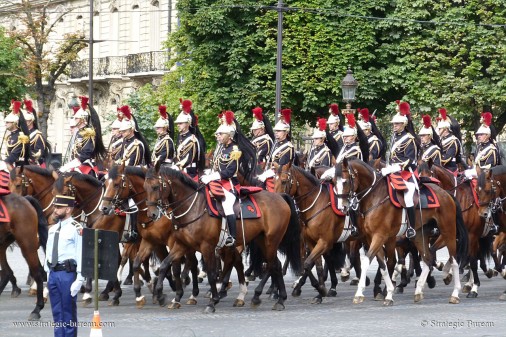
(118, 66)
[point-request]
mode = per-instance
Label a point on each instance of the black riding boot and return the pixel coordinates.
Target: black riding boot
(230, 241)
(133, 234)
(410, 232)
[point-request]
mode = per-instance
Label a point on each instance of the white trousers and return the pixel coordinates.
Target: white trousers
(409, 194)
(228, 203)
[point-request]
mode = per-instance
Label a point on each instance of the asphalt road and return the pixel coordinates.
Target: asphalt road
(337, 316)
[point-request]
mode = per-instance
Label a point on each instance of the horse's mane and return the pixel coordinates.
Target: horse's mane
(86, 178)
(131, 170)
(361, 163)
(496, 171)
(35, 169)
(307, 175)
(172, 174)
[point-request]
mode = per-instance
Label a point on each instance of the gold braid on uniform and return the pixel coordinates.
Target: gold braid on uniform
(87, 133)
(23, 139)
(236, 153)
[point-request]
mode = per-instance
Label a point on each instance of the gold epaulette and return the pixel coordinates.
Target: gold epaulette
(87, 132)
(236, 153)
(23, 139)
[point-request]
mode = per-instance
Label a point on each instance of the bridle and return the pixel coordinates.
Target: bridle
(117, 201)
(26, 182)
(354, 198)
(72, 191)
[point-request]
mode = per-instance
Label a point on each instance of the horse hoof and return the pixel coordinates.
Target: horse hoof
(332, 293)
(229, 285)
(103, 297)
(239, 303)
(113, 303)
(489, 273)
(354, 281)
(472, 294)
(358, 299)
(296, 292)
(127, 282)
(191, 301)
(208, 294)
(466, 289)
(162, 301)
(251, 278)
(209, 310)
(174, 305)
(278, 307)
(465, 278)
(15, 292)
(345, 278)
(255, 302)
(316, 300)
(34, 316)
(274, 296)
(86, 302)
(388, 303)
(140, 303)
(448, 279)
(431, 282)
(418, 297)
(32, 292)
(45, 299)
(200, 279)
(439, 266)
(379, 297)
(399, 290)
(454, 300)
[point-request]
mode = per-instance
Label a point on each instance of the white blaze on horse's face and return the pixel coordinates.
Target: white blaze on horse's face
(341, 202)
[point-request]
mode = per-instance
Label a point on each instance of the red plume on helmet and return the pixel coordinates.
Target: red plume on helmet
(257, 112)
(28, 105)
(334, 109)
(187, 105)
(287, 115)
(119, 114)
(162, 109)
(84, 102)
(351, 120)
(365, 114)
(126, 112)
(16, 105)
(75, 109)
(404, 109)
(442, 113)
(229, 117)
(322, 124)
(487, 118)
(427, 121)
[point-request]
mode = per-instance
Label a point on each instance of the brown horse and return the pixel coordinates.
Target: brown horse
(380, 221)
(26, 220)
(492, 196)
(126, 182)
(480, 240)
(321, 227)
(196, 230)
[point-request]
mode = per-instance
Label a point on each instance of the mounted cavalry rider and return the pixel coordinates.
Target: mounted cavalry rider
(351, 148)
(451, 149)
(334, 124)
(116, 136)
(18, 142)
(163, 151)
(39, 147)
(88, 145)
(319, 154)
(188, 146)
(375, 144)
(403, 154)
(283, 151)
(429, 143)
(224, 174)
(262, 137)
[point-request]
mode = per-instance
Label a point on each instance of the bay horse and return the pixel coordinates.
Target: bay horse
(492, 196)
(479, 239)
(125, 182)
(278, 227)
(380, 220)
(26, 221)
(322, 229)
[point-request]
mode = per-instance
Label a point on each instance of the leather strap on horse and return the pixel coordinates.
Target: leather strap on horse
(178, 226)
(314, 215)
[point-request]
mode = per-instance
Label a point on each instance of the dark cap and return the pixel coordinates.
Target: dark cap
(64, 201)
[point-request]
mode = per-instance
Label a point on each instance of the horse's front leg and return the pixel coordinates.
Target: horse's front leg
(210, 260)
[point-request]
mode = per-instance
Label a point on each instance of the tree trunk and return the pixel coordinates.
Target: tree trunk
(45, 95)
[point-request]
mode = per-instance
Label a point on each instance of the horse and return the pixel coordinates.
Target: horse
(123, 183)
(380, 220)
(322, 228)
(492, 196)
(26, 221)
(479, 238)
(277, 227)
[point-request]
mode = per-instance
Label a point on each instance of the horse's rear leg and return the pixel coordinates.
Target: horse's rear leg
(7, 273)
(474, 281)
(176, 271)
(32, 258)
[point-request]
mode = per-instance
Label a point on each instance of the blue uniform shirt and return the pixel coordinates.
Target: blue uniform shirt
(69, 243)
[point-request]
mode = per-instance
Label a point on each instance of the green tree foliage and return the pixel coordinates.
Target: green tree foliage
(12, 81)
(224, 57)
(145, 112)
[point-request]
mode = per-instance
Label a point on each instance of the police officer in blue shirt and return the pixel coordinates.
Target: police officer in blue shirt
(63, 262)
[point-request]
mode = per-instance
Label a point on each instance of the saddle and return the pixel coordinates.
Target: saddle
(427, 197)
(249, 207)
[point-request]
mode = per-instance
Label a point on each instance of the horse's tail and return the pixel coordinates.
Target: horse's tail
(256, 258)
(462, 235)
(485, 244)
(338, 255)
(290, 245)
(41, 220)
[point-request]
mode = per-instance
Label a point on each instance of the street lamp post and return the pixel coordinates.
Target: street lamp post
(349, 87)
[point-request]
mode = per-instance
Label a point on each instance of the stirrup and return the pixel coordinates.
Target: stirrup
(230, 241)
(410, 233)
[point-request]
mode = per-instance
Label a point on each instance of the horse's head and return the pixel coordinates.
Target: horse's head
(20, 183)
(63, 184)
(284, 180)
(488, 189)
(156, 192)
(117, 189)
(425, 168)
(354, 177)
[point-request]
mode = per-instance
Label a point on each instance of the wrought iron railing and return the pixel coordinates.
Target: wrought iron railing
(121, 65)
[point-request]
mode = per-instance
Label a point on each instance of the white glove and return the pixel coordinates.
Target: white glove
(390, 169)
(210, 177)
(267, 174)
(70, 165)
(471, 173)
(329, 174)
(76, 286)
(175, 167)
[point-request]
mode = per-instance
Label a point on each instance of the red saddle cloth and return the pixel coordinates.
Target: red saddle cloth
(249, 206)
(269, 184)
(473, 184)
(333, 199)
(428, 197)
